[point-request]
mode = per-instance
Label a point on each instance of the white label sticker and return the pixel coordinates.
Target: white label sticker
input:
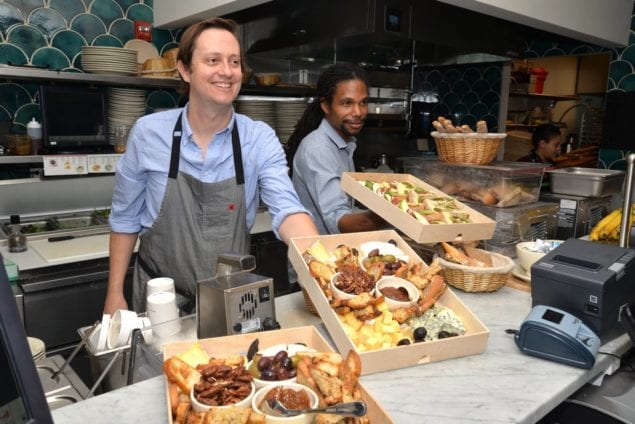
(250, 326)
(567, 204)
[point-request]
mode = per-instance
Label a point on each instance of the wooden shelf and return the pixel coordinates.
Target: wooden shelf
(543, 96)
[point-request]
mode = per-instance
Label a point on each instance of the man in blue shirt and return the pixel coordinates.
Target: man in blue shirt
(189, 183)
(324, 142)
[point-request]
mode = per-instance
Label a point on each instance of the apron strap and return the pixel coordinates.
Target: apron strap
(176, 152)
(238, 156)
(176, 148)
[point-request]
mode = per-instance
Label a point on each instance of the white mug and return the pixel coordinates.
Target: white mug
(160, 284)
(163, 313)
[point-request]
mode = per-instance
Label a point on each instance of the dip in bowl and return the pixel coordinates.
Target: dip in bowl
(291, 395)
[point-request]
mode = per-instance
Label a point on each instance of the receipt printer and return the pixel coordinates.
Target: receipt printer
(590, 280)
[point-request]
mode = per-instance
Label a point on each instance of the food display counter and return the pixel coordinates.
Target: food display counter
(499, 385)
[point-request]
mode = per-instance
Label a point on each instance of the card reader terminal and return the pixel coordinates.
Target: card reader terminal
(557, 335)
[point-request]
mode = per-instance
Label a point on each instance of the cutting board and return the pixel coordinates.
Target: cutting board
(88, 247)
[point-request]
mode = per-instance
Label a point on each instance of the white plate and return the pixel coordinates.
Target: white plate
(519, 272)
(144, 50)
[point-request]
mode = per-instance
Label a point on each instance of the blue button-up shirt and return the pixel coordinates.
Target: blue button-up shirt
(317, 170)
(142, 172)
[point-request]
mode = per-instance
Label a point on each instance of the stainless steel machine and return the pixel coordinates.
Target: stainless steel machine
(236, 300)
(577, 215)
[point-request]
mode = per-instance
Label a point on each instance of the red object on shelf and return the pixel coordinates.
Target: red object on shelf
(143, 30)
(540, 74)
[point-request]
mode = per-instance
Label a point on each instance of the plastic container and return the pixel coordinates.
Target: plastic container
(19, 144)
(501, 184)
(34, 131)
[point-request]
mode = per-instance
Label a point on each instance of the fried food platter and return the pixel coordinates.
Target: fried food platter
(333, 376)
(473, 341)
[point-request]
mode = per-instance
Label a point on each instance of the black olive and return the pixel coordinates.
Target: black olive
(281, 373)
(269, 375)
(393, 242)
(264, 363)
(280, 356)
(403, 342)
(419, 334)
(445, 334)
(287, 363)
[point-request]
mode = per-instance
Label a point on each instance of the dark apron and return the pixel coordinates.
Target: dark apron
(197, 221)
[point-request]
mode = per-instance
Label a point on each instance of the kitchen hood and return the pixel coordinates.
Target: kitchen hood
(384, 33)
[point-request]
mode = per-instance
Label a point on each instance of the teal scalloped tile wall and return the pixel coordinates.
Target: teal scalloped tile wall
(463, 93)
(621, 77)
(51, 33)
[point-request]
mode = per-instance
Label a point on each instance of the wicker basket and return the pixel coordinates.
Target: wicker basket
(476, 279)
(475, 148)
(309, 303)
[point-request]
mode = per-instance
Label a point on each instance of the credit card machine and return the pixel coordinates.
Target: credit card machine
(557, 335)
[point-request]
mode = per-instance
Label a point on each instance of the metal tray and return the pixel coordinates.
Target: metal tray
(586, 182)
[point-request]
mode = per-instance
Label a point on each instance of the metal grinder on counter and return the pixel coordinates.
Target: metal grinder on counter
(236, 300)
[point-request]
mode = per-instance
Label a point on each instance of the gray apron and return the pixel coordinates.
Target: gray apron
(196, 222)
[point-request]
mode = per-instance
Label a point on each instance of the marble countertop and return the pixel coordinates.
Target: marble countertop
(500, 385)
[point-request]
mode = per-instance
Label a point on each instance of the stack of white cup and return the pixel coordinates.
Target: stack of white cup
(161, 306)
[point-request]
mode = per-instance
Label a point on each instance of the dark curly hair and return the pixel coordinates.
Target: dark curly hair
(544, 132)
(326, 87)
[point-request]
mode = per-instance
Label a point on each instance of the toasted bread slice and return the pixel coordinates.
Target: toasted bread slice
(479, 255)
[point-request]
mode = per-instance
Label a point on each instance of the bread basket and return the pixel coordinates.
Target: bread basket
(477, 148)
(267, 79)
(478, 279)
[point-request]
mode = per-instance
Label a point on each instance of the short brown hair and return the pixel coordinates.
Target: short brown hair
(189, 37)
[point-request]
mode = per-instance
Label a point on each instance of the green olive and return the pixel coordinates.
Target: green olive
(389, 258)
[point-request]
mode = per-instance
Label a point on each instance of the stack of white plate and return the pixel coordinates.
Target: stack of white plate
(37, 347)
(109, 60)
(288, 113)
(258, 110)
(125, 106)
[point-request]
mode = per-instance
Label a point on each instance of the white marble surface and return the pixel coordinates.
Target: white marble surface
(500, 385)
(30, 259)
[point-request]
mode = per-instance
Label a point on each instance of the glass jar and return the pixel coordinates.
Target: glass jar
(16, 240)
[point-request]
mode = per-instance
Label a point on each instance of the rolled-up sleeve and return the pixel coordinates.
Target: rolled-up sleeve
(274, 184)
(322, 178)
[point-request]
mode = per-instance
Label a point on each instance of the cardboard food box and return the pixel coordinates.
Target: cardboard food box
(481, 227)
(474, 341)
(224, 346)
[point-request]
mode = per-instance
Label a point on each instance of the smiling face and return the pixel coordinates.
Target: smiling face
(349, 108)
(214, 74)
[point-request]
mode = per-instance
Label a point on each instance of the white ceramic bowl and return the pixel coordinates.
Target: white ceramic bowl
(526, 257)
(390, 281)
(291, 350)
(342, 295)
(201, 407)
(298, 419)
(384, 248)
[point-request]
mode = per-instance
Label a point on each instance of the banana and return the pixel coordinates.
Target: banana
(611, 225)
(595, 232)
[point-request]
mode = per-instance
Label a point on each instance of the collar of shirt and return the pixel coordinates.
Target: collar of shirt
(337, 139)
(187, 134)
